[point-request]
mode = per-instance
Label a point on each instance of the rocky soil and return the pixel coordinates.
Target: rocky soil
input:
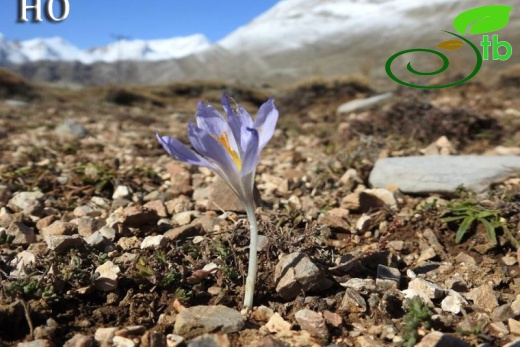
(107, 241)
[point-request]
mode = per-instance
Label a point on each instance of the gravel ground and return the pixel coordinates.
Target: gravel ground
(105, 240)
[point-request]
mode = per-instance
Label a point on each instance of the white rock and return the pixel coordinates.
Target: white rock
(349, 178)
(105, 334)
(22, 200)
(427, 254)
(501, 150)
(424, 289)
(101, 202)
(263, 242)
(121, 192)
(22, 260)
(95, 239)
(384, 195)
(453, 302)
(108, 233)
(182, 218)
(363, 223)
(440, 147)
(210, 267)
(360, 284)
(360, 104)
(108, 273)
(262, 313)
(198, 239)
(154, 242)
(514, 326)
(515, 305)
(294, 202)
(277, 324)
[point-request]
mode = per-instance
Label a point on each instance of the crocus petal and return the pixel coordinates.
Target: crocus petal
(238, 121)
(212, 149)
(265, 121)
(252, 153)
(246, 122)
(233, 119)
(179, 151)
(225, 167)
(209, 119)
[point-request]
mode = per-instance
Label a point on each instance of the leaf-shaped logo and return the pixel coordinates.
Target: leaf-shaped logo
(484, 19)
(451, 45)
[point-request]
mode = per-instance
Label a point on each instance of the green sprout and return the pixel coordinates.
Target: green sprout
(30, 287)
(418, 315)
(468, 213)
(161, 257)
(144, 269)
(183, 295)
(170, 278)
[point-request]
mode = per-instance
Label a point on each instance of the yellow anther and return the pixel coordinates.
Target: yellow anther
(223, 139)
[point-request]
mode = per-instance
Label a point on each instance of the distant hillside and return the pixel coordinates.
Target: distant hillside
(298, 39)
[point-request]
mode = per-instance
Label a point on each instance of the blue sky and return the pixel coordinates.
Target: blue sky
(92, 23)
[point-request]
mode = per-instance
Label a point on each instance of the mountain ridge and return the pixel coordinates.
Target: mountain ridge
(59, 49)
(295, 40)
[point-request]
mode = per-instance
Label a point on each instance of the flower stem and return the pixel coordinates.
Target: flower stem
(253, 259)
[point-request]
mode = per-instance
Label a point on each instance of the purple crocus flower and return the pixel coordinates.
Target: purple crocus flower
(230, 146)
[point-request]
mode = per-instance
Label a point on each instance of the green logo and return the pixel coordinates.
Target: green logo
(479, 20)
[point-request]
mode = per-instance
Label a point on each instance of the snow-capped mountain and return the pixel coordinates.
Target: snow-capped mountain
(58, 49)
(294, 40)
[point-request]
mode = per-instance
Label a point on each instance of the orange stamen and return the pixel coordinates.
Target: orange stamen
(223, 139)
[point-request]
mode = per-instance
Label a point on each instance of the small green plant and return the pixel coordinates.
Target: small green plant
(229, 272)
(161, 257)
(429, 206)
(30, 287)
(144, 269)
(95, 174)
(468, 213)
(418, 315)
(170, 278)
(183, 295)
(221, 249)
(73, 271)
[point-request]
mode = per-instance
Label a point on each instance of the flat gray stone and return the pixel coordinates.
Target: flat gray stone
(207, 340)
(198, 320)
(23, 235)
(71, 128)
(443, 174)
(61, 244)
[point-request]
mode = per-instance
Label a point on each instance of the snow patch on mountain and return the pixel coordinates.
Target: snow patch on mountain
(295, 24)
(177, 47)
(58, 49)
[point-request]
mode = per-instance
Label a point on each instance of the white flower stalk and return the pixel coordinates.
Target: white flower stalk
(230, 146)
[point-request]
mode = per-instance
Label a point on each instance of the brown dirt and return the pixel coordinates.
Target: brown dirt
(123, 151)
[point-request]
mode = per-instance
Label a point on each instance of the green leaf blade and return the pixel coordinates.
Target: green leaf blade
(483, 19)
(464, 226)
(490, 229)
